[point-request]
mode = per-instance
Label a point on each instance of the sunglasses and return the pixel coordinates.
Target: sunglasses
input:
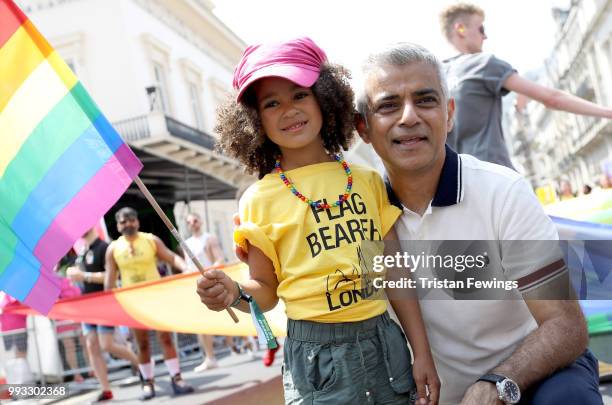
(481, 29)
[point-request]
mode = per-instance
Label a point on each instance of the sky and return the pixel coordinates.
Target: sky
(522, 32)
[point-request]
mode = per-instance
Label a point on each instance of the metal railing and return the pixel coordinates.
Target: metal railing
(55, 351)
(189, 133)
(133, 129)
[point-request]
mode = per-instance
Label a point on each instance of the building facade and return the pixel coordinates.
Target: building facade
(550, 145)
(157, 69)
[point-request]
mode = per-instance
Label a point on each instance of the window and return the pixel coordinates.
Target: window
(196, 105)
(159, 58)
(72, 65)
(219, 93)
(162, 88)
(70, 49)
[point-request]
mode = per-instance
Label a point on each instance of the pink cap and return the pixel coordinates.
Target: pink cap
(298, 60)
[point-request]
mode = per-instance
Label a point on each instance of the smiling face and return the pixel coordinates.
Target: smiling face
(290, 115)
(408, 117)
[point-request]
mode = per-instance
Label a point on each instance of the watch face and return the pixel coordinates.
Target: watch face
(511, 392)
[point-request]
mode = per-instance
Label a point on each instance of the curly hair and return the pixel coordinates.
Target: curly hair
(455, 12)
(242, 136)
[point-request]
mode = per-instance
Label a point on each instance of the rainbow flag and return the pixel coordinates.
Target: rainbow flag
(62, 165)
(153, 305)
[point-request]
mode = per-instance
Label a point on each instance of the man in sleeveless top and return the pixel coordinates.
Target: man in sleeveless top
(135, 256)
(89, 270)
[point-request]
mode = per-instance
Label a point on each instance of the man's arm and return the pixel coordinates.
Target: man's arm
(555, 99)
(213, 250)
(97, 277)
(167, 255)
(77, 275)
(560, 338)
(561, 335)
(110, 277)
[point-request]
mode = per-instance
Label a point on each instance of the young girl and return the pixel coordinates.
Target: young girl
(302, 224)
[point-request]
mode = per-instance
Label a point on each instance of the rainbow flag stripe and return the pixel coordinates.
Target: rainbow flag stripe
(62, 165)
(153, 305)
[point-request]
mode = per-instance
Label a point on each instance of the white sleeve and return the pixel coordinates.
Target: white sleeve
(529, 240)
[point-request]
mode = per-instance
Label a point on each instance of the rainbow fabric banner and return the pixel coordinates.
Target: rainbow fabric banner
(62, 165)
(153, 305)
(595, 207)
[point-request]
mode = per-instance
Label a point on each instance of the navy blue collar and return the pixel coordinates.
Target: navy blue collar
(450, 186)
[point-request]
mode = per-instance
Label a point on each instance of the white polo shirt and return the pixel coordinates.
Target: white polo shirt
(476, 200)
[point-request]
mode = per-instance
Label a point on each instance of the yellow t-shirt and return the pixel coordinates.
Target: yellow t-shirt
(315, 252)
(137, 263)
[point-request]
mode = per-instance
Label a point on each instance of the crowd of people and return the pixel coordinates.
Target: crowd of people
(99, 266)
(437, 128)
(567, 192)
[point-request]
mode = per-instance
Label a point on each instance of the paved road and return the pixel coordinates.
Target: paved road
(238, 376)
(239, 380)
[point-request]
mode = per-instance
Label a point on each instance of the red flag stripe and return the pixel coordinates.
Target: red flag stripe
(11, 18)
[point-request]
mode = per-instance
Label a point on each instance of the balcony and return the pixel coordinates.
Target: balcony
(591, 130)
(180, 160)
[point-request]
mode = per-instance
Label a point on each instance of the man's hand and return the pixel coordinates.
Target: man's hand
(75, 274)
(216, 290)
(425, 375)
(240, 253)
(481, 393)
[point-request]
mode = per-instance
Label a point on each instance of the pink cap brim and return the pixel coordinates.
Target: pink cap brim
(300, 75)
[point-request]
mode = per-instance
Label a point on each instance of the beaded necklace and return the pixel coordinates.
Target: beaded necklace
(349, 184)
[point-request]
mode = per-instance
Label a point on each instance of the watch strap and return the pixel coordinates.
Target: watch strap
(492, 378)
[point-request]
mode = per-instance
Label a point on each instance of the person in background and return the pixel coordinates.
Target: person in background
(565, 190)
(206, 248)
(135, 256)
(604, 181)
(14, 336)
(68, 331)
(89, 270)
(479, 80)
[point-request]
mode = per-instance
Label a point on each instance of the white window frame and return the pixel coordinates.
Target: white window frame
(161, 84)
(193, 82)
(219, 92)
(70, 48)
(196, 105)
(158, 55)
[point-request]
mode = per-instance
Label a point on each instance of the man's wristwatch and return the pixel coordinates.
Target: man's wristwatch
(507, 390)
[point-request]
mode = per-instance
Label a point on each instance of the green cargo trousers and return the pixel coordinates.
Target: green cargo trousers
(366, 362)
